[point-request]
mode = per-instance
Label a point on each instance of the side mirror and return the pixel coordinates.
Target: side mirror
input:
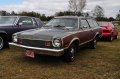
(20, 23)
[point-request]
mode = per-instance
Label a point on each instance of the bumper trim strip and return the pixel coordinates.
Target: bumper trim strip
(36, 48)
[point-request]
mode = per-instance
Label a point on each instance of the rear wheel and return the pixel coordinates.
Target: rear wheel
(1, 43)
(69, 55)
(116, 37)
(93, 44)
(111, 38)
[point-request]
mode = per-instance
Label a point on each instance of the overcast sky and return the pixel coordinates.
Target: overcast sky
(49, 7)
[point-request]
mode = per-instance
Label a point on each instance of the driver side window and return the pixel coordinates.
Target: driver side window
(25, 21)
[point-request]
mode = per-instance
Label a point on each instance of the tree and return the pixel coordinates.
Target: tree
(4, 13)
(77, 5)
(13, 13)
(49, 18)
(102, 19)
(118, 16)
(43, 17)
(111, 19)
(59, 14)
(98, 11)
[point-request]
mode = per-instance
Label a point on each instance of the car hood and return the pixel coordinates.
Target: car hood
(43, 34)
(106, 28)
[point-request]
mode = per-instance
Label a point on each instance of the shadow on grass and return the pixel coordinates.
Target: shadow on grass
(51, 60)
(41, 59)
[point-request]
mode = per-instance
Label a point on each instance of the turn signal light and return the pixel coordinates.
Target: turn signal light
(47, 43)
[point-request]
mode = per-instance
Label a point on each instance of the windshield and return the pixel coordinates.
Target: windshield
(103, 24)
(7, 20)
(70, 23)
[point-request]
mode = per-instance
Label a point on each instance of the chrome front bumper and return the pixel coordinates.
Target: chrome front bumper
(42, 51)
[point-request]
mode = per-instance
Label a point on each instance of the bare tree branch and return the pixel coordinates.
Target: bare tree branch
(77, 5)
(98, 11)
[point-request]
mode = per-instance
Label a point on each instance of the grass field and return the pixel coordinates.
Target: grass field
(101, 63)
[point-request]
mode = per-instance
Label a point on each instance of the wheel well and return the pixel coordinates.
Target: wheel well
(97, 36)
(4, 36)
(76, 42)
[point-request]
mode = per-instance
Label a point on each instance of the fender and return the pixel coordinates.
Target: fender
(96, 35)
(3, 32)
(74, 39)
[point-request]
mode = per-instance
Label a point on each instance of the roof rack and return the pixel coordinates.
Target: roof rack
(69, 13)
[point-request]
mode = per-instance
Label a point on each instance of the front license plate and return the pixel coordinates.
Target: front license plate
(30, 53)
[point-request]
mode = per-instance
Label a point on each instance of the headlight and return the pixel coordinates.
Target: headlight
(15, 38)
(57, 43)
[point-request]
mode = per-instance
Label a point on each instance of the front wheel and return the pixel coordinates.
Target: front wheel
(69, 55)
(111, 38)
(1, 43)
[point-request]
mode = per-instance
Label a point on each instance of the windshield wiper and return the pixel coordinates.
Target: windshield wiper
(63, 27)
(58, 26)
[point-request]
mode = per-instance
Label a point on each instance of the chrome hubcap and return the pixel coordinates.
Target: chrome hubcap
(111, 38)
(72, 53)
(1, 43)
(95, 43)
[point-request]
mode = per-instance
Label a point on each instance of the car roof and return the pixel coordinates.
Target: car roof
(74, 17)
(104, 21)
(17, 16)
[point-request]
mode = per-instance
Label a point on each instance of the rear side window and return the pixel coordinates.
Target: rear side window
(84, 24)
(92, 25)
(95, 23)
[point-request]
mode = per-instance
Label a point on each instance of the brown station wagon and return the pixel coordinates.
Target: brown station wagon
(60, 37)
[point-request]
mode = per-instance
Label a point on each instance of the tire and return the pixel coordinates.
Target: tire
(1, 43)
(93, 44)
(116, 37)
(69, 55)
(111, 38)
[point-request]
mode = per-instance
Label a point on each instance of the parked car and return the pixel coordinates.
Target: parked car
(109, 30)
(13, 24)
(60, 37)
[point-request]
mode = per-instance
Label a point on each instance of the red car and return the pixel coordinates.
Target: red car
(109, 30)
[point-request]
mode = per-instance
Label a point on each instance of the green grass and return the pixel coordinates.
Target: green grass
(101, 63)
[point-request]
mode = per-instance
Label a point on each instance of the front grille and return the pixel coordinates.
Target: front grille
(106, 31)
(34, 43)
